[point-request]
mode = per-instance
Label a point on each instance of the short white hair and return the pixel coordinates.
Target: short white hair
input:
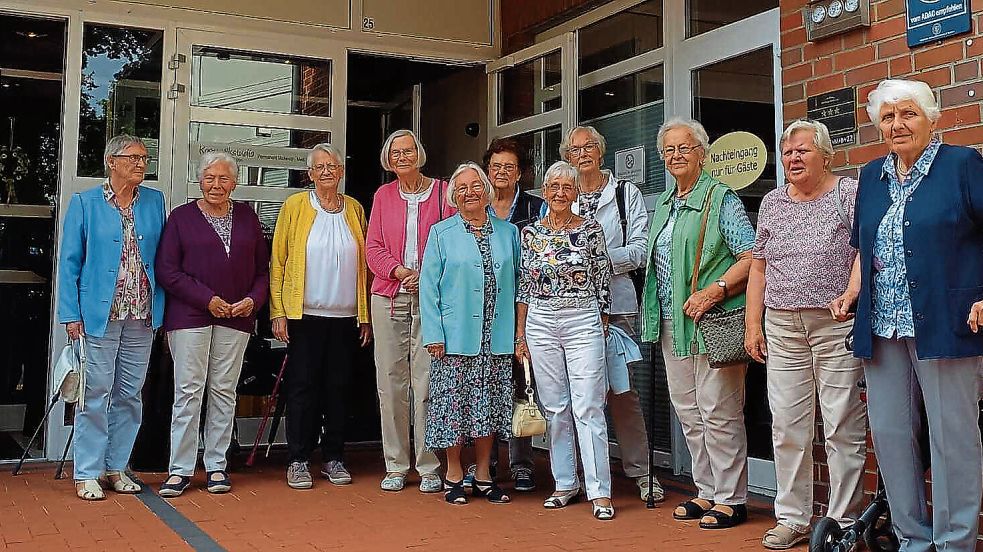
(328, 149)
(210, 158)
(820, 135)
(451, 194)
(421, 154)
(560, 169)
(892, 91)
(694, 127)
(602, 145)
(116, 145)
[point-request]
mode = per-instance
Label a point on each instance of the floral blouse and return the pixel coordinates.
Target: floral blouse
(565, 268)
(222, 226)
(133, 297)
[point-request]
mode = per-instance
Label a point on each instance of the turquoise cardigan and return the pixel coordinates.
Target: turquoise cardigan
(91, 247)
(452, 297)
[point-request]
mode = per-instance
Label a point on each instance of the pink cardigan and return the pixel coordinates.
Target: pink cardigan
(386, 238)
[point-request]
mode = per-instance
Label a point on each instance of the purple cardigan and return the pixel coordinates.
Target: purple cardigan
(192, 267)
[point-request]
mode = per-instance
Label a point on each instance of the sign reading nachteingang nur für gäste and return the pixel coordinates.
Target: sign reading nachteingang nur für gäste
(931, 20)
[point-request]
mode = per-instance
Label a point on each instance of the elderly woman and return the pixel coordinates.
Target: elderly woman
(214, 288)
(469, 328)
(402, 213)
(919, 230)
(562, 310)
(319, 306)
(709, 402)
(801, 264)
(620, 209)
(108, 295)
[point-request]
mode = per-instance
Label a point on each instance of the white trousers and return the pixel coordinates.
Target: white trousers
(709, 403)
(567, 350)
(208, 358)
(807, 358)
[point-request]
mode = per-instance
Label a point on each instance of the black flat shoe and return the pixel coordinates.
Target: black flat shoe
(723, 520)
(489, 490)
(171, 490)
(454, 492)
(693, 510)
(218, 486)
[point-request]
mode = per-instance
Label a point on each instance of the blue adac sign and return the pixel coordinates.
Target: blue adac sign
(931, 20)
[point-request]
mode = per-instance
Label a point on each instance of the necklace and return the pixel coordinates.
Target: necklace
(554, 226)
(327, 204)
(417, 188)
(903, 170)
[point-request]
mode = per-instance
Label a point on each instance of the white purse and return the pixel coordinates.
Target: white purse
(69, 374)
(527, 420)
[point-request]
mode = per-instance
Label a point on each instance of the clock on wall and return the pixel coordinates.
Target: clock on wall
(824, 18)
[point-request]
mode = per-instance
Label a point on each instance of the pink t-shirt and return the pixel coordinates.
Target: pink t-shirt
(806, 247)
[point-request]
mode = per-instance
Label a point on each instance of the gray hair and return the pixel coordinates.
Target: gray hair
(328, 149)
(892, 91)
(421, 154)
(212, 157)
(560, 169)
(694, 127)
(451, 194)
(116, 145)
(820, 135)
(602, 144)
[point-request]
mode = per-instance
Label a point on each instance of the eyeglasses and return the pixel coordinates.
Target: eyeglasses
(396, 154)
(557, 187)
(508, 167)
(477, 187)
(682, 150)
(589, 147)
(326, 167)
(134, 158)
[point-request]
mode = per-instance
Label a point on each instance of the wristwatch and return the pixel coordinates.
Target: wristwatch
(722, 285)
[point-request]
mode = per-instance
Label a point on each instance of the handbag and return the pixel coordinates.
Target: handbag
(69, 375)
(723, 330)
(527, 420)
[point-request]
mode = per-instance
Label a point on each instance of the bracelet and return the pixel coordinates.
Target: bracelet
(520, 339)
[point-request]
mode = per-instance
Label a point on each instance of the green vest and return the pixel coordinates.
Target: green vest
(715, 261)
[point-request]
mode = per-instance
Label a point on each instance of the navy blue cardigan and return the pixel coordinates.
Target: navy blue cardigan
(943, 238)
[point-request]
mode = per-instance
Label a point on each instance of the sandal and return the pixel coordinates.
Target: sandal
(720, 519)
(783, 537)
(560, 501)
(218, 486)
(89, 489)
(489, 490)
(603, 513)
(692, 509)
(171, 490)
(122, 483)
(454, 492)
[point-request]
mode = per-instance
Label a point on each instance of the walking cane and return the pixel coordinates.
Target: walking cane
(266, 417)
(61, 464)
(27, 449)
(275, 424)
(650, 501)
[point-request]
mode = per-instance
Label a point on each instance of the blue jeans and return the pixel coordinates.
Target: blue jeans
(116, 367)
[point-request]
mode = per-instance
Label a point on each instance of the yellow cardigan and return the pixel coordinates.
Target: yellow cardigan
(287, 261)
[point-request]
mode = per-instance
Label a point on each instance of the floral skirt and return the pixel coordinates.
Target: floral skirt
(470, 397)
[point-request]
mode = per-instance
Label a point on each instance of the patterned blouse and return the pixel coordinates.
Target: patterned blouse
(590, 202)
(222, 226)
(132, 299)
(891, 315)
(565, 268)
(735, 227)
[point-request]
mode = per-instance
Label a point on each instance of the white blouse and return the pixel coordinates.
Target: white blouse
(330, 274)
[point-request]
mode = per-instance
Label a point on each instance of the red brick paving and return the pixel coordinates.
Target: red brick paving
(262, 513)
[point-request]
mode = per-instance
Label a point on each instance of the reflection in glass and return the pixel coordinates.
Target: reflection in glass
(635, 128)
(706, 15)
(260, 82)
(622, 36)
(121, 71)
(529, 88)
(542, 148)
(622, 93)
(267, 156)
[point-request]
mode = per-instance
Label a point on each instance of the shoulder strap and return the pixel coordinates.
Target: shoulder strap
(621, 197)
(840, 210)
(699, 243)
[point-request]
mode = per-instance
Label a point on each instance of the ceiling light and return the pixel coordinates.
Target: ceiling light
(31, 34)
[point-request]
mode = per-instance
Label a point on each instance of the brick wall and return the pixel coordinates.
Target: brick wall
(522, 19)
(861, 59)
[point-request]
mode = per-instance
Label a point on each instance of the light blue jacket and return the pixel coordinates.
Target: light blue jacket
(452, 295)
(91, 248)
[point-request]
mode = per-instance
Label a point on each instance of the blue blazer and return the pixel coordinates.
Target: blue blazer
(943, 239)
(91, 247)
(452, 295)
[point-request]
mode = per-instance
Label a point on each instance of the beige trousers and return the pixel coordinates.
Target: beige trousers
(709, 404)
(626, 414)
(806, 357)
(402, 364)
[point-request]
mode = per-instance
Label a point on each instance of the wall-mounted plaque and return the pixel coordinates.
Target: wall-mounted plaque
(838, 111)
(931, 20)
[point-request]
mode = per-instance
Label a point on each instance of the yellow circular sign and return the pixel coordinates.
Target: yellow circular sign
(737, 159)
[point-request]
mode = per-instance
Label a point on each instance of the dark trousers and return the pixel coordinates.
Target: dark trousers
(317, 378)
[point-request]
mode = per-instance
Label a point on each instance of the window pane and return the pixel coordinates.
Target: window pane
(622, 93)
(542, 148)
(267, 156)
(529, 88)
(637, 127)
(121, 69)
(706, 15)
(621, 36)
(260, 82)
